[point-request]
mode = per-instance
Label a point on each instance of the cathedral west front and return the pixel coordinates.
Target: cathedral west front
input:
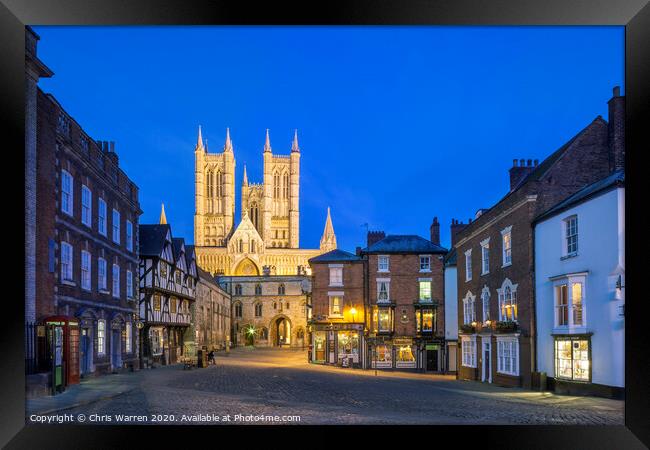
(266, 239)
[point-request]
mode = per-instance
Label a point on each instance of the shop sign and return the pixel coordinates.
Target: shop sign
(432, 347)
(402, 341)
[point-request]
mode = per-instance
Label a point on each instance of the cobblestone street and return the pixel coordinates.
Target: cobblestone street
(281, 382)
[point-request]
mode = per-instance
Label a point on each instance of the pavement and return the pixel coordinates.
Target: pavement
(264, 386)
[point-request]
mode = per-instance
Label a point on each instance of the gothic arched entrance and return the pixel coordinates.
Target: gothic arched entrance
(281, 331)
(247, 267)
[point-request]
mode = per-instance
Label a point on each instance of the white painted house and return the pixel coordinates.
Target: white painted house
(580, 290)
(451, 311)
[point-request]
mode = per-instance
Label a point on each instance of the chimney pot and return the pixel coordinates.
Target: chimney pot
(530, 162)
(514, 163)
(112, 146)
(536, 162)
(617, 91)
(522, 162)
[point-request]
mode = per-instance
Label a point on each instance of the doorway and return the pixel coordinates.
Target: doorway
(116, 349)
(85, 352)
(282, 332)
(432, 360)
(487, 360)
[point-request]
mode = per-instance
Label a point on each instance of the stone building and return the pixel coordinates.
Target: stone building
(210, 314)
(268, 310)
(86, 237)
(267, 235)
(338, 310)
(496, 256)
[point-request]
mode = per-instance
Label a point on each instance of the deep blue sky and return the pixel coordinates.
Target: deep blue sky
(396, 124)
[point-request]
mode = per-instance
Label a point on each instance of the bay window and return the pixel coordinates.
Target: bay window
(569, 293)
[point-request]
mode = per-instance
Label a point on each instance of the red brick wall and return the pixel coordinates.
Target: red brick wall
(352, 288)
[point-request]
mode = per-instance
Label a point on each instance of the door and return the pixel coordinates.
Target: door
(116, 349)
(432, 360)
(85, 351)
(487, 357)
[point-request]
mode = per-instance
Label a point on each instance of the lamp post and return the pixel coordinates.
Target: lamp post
(353, 311)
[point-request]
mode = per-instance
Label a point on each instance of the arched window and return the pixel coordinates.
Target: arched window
(238, 310)
(241, 246)
(253, 247)
(264, 333)
(275, 305)
(209, 184)
(258, 289)
(285, 185)
(469, 314)
(485, 300)
(508, 301)
(258, 310)
(281, 289)
(276, 185)
(238, 289)
(253, 214)
(300, 334)
(219, 184)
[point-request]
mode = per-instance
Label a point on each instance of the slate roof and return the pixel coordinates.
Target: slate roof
(152, 238)
(177, 244)
(616, 178)
(407, 243)
(335, 255)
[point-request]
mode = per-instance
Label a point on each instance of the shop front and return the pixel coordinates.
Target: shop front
(339, 344)
(406, 353)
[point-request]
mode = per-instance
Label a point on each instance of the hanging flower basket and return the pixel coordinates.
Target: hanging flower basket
(467, 328)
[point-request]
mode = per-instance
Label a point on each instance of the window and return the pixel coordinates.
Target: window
(288, 305)
(485, 257)
(238, 310)
(163, 269)
(571, 235)
(172, 305)
(384, 320)
(66, 261)
(85, 270)
(128, 336)
(101, 337)
(383, 264)
(508, 301)
(425, 320)
(86, 206)
(209, 186)
(569, 301)
(285, 185)
(177, 274)
(383, 291)
(156, 302)
(63, 124)
(276, 186)
(468, 352)
(258, 310)
(101, 217)
(468, 265)
(101, 274)
(116, 226)
(129, 236)
(129, 284)
(335, 305)
(485, 300)
(258, 289)
(572, 359)
(508, 356)
(425, 263)
(506, 236)
(469, 314)
(67, 184)
(238, 289)
(281, 289)
(425, 290)
(336, 276)
(116, 280)
(219, 184)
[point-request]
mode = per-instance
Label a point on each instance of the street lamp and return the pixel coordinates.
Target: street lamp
(353, 311)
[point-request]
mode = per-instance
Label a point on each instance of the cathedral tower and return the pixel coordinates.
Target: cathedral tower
(294, 206)
(214, 179)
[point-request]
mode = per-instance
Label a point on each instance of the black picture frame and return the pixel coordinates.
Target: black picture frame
(634, 15)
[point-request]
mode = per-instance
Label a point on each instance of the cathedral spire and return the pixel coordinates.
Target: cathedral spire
(228, 145)
(245, 181)
(267, 143)
(294, 145)
(163, 218)
(328, 240)
(199, 141)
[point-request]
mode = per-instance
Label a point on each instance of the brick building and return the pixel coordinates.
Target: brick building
(87, 213)
(338, 312)
(495, 252)
(405, 301)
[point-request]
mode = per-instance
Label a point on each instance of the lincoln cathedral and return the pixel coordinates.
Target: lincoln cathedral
(266, 240)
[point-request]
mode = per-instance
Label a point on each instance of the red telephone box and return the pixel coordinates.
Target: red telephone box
(69, 348)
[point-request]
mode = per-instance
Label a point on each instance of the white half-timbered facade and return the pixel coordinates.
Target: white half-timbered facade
(168, 278)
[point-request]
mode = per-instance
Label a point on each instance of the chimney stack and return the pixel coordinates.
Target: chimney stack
(456, 227)
(375, 236)
(616, 130)
(519, 172)
(358, 251)
(435, 231)
(109, 148)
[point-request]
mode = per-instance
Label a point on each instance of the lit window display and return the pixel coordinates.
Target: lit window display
(383, 356)
(424, 320)
(572, 359)
(349, 345)
(405, 356)
(384, 320)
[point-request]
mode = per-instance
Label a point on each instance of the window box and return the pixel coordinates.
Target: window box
(468, 328)
(506, 326)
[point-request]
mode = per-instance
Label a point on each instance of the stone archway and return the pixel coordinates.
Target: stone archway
(281, 331)
(247, 267)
